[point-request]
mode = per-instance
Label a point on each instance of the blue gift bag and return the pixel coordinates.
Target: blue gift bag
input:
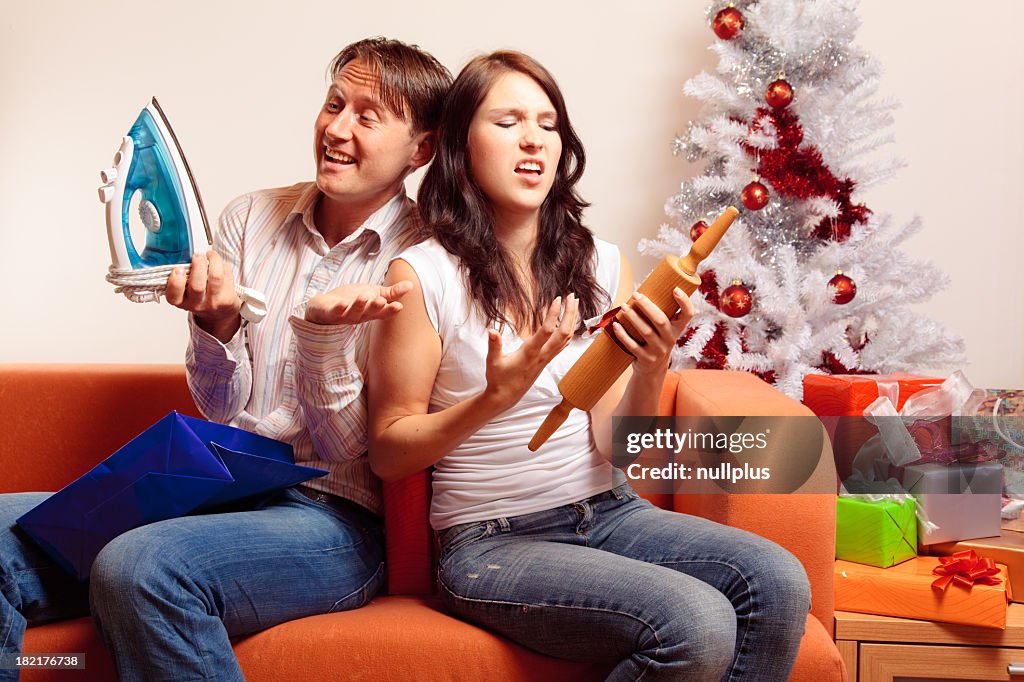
(177, 466)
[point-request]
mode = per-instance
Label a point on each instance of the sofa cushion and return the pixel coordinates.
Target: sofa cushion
(76, 636)
(819, 659)
(393, 638)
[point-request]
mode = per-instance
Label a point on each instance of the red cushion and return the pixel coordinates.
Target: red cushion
(410, 540)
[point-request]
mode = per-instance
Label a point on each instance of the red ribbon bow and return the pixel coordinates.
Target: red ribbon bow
(605, 320)
(965, 569)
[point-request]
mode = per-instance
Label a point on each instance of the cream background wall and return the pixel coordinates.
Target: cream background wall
(242, 82)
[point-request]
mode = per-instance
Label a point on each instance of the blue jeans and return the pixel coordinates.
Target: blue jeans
(661, 595)
(168, 597)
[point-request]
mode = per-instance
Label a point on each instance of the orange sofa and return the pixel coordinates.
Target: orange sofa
(57, 421)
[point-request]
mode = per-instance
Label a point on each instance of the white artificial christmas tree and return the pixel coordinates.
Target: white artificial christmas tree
(808, 279)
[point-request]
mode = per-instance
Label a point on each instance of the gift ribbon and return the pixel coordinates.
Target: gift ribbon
(965, 569)
(889, 389)
(605, 320)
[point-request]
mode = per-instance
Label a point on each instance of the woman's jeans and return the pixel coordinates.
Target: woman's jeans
(167, 597)
(667, 596)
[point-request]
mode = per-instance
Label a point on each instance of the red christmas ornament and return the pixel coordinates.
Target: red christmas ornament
(698, 229)
(736, 300)
(755, 195)
(843, 288)
(779, 93)
(728, 23)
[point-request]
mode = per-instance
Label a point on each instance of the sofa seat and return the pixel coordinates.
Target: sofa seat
(391, 638)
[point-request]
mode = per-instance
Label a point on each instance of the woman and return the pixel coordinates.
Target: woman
(552, 549)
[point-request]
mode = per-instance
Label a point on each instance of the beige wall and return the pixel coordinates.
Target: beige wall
(242, 81)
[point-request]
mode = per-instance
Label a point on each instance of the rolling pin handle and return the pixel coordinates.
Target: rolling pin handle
(552, 422)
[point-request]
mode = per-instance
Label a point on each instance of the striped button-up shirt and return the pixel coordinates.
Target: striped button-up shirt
(287, 378)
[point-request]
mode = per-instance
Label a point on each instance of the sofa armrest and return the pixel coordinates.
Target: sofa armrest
(803, 523)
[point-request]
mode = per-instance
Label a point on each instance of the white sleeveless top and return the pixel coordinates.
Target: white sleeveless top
(493, 474)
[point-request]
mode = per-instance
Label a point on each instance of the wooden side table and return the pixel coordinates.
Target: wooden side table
(883, 649)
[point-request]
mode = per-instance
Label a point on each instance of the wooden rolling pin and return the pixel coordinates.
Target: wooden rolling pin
(604, 361)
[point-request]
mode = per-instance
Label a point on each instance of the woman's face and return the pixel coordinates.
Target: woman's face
(514, 145)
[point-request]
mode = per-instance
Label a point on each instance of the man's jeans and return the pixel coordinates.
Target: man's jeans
(667, 596)
(168, 596)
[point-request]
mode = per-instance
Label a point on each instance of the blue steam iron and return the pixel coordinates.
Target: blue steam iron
(150, 172)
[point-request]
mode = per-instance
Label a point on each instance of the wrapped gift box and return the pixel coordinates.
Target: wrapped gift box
(905, 591)
(972, 513)
(993, 413)
(1007, 548)
(962, 500)
(847, 395)
(995, 418)
(879, 533)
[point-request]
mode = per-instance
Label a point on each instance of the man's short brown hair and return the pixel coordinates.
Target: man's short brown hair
(413, 83)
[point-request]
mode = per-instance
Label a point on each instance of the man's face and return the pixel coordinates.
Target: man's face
(363, 150)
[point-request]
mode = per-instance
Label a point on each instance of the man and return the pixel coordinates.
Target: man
(168, 597)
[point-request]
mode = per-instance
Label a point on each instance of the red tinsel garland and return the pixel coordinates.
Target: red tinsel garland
(714, 352)
(801, 172)
(709, 287)
(831, 364)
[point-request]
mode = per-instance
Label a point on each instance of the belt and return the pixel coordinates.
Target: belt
(335, 502)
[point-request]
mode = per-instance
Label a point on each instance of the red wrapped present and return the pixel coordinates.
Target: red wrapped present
(847, 395)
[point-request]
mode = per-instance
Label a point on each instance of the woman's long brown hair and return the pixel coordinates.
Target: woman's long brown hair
(459, 216)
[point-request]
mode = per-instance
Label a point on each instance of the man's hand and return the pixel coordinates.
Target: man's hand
(357, 303)
(208, 292)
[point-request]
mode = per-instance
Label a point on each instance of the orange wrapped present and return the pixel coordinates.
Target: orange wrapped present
(847, 395)
(973, 592)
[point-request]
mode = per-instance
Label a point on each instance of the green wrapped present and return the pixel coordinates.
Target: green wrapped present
(881, 533)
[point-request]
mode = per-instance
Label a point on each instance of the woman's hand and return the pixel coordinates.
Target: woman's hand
(656, 332)
(510, 376)
(638, 390)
